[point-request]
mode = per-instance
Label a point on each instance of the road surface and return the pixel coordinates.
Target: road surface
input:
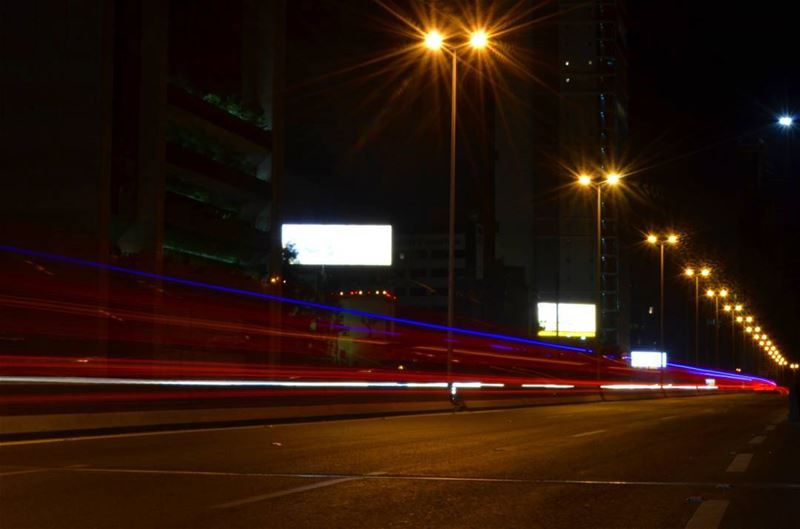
(725, 461)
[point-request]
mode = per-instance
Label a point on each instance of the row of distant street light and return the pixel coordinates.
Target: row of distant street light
(478, 40)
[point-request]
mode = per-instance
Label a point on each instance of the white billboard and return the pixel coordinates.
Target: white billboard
(569, 320)
(339, 244)
(648, 359)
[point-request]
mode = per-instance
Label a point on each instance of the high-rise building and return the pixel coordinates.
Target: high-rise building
(148, 134)
(574, 120)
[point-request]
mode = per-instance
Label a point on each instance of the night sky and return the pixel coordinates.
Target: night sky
(705, 78)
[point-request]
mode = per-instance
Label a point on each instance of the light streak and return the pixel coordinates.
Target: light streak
(723, 374)
(654, 386)
(240, 383)
(549, 386)
(259, 295)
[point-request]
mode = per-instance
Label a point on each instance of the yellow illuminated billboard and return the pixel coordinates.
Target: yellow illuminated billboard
(567, 320)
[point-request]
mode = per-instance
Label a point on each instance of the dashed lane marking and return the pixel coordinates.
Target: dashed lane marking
(708, 515)
(287, 492)
(740, 463)
(584, 434)
(757, 440)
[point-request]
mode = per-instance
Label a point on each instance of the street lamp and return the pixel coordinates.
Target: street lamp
(671, 239)
(692, 273)
(611, 179)
(435, 41)
(716, 295)
(786, 121)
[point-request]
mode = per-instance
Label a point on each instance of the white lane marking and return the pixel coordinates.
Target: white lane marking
(122, 435)
(584, 434)
(708, 515)
(18, 472)
(668, 417)
(770, 428)
(278, 494)
(396, 477)
(166, 472)
(740, 463)
(757, 440)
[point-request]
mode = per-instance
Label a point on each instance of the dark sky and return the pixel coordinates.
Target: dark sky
(705, 77)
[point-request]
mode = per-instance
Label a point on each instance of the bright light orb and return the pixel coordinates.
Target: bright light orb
(584, 180)
(689, 272)
(705, 272)
(652, 239)
(785, 121)
(672, 239)
(613, 178)
(433, 40)
(479, 39)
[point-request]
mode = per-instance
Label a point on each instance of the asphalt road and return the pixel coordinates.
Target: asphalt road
(727, 461)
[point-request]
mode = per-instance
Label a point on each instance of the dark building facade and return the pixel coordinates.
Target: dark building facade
(154, 137)
(572, 121)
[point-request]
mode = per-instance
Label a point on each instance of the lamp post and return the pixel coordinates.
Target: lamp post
(671, 239)
(691, 272)
(731, 309)
(716, 295)
(435, 41)
(611, 179)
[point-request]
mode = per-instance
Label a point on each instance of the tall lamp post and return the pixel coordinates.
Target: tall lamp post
(732, 309)
(661, 242)
(435, 41)
(691, 272)
(611, 179)
(716, 295)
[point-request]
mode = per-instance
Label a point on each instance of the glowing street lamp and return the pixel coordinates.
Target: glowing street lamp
(692, 273)
(786, 121)
(716, 295)
(653, 239)
(434, 41)
(479, 39)
(611, 179)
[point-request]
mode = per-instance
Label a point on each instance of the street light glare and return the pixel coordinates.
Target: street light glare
(710, 293)
(433, 40)
(705, 272)
(584, 180)
(479, 39)
(786, 121)
(672, 239)
(613, 178)
(652, 239)
(723, 293)
(689, 272)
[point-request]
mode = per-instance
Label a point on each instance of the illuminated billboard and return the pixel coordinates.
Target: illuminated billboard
(568, 320)
(648, 359)
(339, 244)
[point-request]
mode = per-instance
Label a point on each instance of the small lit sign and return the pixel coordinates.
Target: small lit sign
(648, 359)
(711, 382)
